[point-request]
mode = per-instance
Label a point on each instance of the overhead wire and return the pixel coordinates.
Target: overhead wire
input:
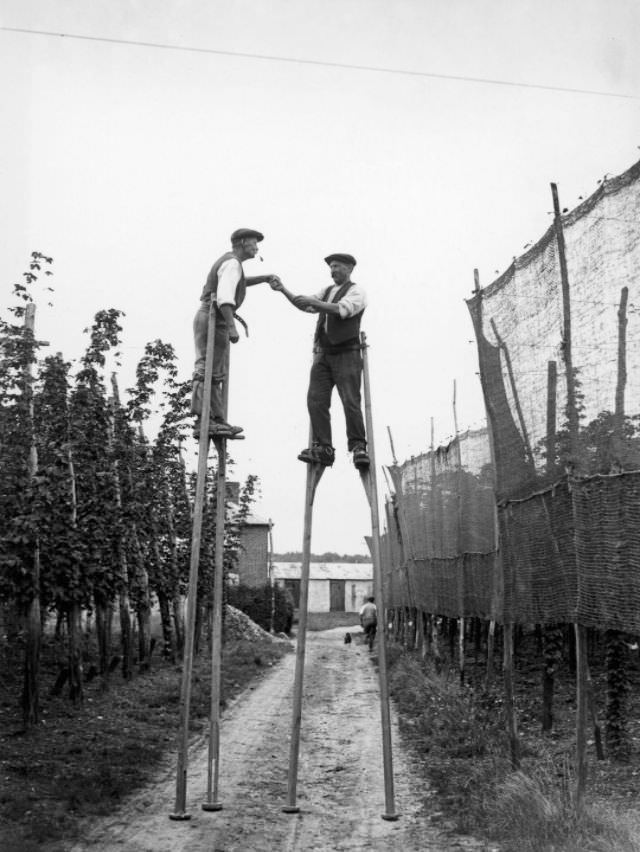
(379, 69)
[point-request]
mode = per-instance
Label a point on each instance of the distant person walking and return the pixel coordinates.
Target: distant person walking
(369, 621)
(226, 283)
(337, 361)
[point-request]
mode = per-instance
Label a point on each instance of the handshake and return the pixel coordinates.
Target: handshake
(301, 302)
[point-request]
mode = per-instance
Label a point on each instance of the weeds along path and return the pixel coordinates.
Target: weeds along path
(340, 781)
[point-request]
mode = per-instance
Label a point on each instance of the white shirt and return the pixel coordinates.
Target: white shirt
(229, 275)
(369, 611)
(353, 301)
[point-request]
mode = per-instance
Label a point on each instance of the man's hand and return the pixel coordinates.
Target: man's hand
(234, 337)
(302, 302)
(275, 283)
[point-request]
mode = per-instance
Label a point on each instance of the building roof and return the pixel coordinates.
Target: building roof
(256, 521)
(324, 570)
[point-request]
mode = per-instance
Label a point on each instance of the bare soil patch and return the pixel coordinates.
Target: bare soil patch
(83, 761)
(340, 785)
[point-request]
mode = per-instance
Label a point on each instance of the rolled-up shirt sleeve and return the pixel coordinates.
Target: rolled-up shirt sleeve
(229, 276)
(353, 302)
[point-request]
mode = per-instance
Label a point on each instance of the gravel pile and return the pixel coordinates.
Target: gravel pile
(238, 625)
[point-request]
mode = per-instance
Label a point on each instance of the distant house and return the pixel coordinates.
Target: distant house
(333, 586)
(253, 562)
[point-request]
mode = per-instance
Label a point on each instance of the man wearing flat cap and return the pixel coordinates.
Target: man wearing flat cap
(226, 283)
(337, 361)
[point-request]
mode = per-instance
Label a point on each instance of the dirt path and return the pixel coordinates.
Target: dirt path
(340, 781)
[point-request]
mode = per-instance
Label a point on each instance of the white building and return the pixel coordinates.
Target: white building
(333, 586)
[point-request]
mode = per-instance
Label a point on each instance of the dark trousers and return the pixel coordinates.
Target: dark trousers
(344, 371)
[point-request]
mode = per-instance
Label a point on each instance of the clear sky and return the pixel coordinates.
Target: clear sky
(132, 164)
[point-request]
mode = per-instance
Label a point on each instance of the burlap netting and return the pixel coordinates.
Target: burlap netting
(566, 501)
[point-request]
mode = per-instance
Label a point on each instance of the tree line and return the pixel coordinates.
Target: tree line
(95, 517)
(330, 556)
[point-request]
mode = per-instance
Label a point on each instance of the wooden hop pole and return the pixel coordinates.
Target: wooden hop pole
(491, 633)
(461, 619)
(33, 621)
(368, 476)
(572, 411)
(179, 812)
(272, 615)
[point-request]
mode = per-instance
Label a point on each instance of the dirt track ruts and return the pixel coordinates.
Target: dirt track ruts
(340, 780)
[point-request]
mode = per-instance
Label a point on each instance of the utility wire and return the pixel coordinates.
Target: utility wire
(318, 62)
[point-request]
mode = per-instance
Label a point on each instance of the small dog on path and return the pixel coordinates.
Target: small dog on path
(347, 638)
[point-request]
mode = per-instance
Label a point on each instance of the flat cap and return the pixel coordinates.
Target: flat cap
(349, 259)
(246, 233)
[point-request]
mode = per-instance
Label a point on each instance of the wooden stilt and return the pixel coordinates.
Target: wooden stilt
(314, 474)
(368, 477)
(180, 812)
(213, 758)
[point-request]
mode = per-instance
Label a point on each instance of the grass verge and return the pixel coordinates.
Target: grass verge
(459, 734)
(81, 761)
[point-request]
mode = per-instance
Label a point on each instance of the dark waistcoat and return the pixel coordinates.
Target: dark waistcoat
(211, 285)
(339, 333)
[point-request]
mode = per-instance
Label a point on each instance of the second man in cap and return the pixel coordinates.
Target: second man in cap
(337, 361)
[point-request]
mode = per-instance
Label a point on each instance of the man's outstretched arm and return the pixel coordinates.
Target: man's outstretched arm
(251, 280)
(300, 302)
(318, 306)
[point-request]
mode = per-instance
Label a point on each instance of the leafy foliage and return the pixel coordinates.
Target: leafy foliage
(95, 516)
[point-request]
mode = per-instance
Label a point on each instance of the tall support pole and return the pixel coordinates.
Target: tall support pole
(213, 757)
(368, 476)
(33, 621)
(509, 704)
(552, 390)
(314, 474)
(460, 554)
(514, 390)
(622, 364)
(572, 411)
(393, 451)
(408, 556)
(434, 546)
(551, 633)
(491, 633)
(179, 812)
(272, 616)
